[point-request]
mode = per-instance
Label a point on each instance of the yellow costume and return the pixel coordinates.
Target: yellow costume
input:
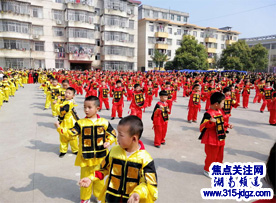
(54, 97)
(12, 87)
(1, 94)
(6, 90)
(47, 92)
(67, 118)
(128, 175)
(92, 136)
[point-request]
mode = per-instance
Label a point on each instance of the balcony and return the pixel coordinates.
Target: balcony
(80, 57)
(162, 34)
(210, 60)
(211, 50)
(210, 40)
(229, 42)
(161, 45)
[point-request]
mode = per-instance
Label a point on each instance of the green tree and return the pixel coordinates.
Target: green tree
(259, 57)
(236, 57)
(159, 58)
(190, 55)
(169, 65)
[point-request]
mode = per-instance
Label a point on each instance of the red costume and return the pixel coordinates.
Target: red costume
(160, 122)
(272, 110)
(149, 95)
(213, 135)
(211, 90)
(118, 101)
(137, 103)
(194, 106)
(245, 96)
(169, 90)
(103, 96)
(267, 96)
(229, 102)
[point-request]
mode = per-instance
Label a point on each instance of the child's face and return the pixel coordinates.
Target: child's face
(65, 85)
(137, 89)
(267, 84)
(197, 89)
(227, 93)
(220, 105)
(103, 83)
(55, 83)
(163, 98)
(124, 139)
(119, 84)
(69, 94)
(90, 109)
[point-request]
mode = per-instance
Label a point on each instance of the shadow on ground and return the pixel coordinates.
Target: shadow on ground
(182, 166)
(44, 147)
(254, 154)
(52, 187)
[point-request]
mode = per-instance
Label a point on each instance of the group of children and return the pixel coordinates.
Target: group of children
(130, 170)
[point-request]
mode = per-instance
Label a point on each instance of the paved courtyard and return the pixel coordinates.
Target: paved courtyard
(31, 170)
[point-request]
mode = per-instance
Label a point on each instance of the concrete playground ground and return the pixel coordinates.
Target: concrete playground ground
(31, 170)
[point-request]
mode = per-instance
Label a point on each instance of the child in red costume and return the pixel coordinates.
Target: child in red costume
(272, 110)
(103, 95)
(212, 128)
(118, 100)
(91, 90)
(160, 119)
(194, 103)
(137, 102)
(246, 94)
(211, 90)
(169, 90)
(229, 102)
(267, 96)
(148, 89)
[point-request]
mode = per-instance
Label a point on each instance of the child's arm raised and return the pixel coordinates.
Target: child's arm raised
(111, 135)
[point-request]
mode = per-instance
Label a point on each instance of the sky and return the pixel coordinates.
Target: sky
(252, 18)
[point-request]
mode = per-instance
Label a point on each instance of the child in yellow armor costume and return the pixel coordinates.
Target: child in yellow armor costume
(67, 119)
(6, 88)
(130, 168)
(95, 136)
(1, 94)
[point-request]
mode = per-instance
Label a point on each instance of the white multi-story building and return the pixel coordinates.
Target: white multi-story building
(71, 34)
(269, 42)
(163, 29)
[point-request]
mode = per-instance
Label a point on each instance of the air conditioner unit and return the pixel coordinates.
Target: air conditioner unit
(58, 22)
(56, 50)
(175, 33)
(35, 36)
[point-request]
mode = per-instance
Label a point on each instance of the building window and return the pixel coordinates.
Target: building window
(215, 45)
(169, 41)
(97, 11)
(98, 42)
(151, 28)
(15, 44)
(58, 31)
(58, 16)
(131, 38)
(59, 1)
(97, 27)
(235, 38)
(151, 40)
(185, 19)
(155, 14)
(222, 37)
(39, 64)
(202, 34)
(150, 64)
(15, 7)
(222, 46)
(59, 64)
(15, 63)
(37, 12)
(169, 52)
(118, 50)
(273, 46)
(150, 52)
(39, 46)
(164, 15)
(170, 30)
(194, 33)
(131, 24)
(178, 32)
(147, 13)
(178, 18)
(215, 36)
(38, 30)
(80, 16)
(98, 57)
(14, 26)
(186, 32)
(178, 42)
(172, 16)
(80, 33)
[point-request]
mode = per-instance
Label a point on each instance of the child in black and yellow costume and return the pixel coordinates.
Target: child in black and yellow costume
(53, 91)
(130, 168)
(6, 88)
(95, 136)
(67, 119)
